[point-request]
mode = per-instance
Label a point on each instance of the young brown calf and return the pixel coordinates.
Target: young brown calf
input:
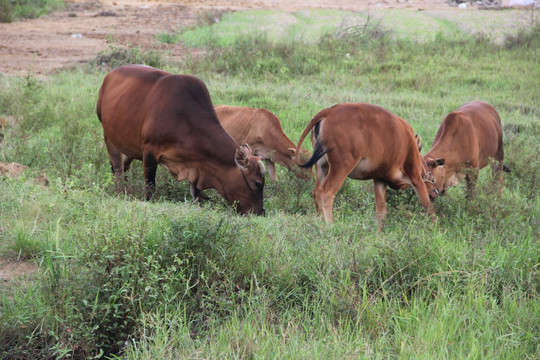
(363, 141)
(464, 144)
(262, 131)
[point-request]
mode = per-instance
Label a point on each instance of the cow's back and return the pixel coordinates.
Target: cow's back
(141, 105)
(472, 133)
(368, 131)
(237, 121)
(487, 128)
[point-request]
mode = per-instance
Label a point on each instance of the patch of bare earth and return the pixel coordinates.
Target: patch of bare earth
(85, 27)
(11, 270)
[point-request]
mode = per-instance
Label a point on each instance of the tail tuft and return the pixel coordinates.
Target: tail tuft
(318, 152)
(506, 169)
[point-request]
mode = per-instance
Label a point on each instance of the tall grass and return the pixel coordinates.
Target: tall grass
(167, 279)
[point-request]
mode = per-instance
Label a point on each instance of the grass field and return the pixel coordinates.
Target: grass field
(122, 278)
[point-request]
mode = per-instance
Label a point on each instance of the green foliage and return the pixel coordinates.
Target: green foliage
(124, 278)
(168, 38)
(13, 10)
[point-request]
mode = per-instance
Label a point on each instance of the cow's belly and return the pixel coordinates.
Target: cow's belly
(366, 170)
(363, 170)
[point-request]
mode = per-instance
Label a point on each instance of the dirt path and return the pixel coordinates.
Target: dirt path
(76, 34)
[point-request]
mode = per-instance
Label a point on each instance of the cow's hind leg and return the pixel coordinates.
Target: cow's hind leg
(321, 171)
(150, 167)
(497, 168)
(126, 163)
(380, 202)
(327, 190)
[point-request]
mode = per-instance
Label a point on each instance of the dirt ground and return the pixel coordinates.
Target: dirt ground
(77, 33)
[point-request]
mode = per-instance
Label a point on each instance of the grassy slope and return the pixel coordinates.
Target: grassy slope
(169, 279)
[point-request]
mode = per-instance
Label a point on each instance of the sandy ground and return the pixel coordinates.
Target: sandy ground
(10, 269)
(77, 33)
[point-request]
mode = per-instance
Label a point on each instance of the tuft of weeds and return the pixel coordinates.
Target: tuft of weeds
(116, 56)
(168, 38)
(525, 38)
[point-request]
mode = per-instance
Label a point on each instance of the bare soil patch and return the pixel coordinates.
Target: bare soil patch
(9, 270)
(76, 34)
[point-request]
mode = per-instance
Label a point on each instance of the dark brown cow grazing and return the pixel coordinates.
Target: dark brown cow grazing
(466, 140)
(262, 131)
(161, 118)
(363, 141)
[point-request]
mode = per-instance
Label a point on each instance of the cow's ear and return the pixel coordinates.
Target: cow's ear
(242, 156)
(439, 162)
(292, 153)
(418, 142)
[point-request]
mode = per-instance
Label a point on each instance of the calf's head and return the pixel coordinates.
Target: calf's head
(249, 190)
(434, 177)
(303, 156)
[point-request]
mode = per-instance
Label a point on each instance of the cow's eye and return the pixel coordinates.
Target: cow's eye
(259, 184)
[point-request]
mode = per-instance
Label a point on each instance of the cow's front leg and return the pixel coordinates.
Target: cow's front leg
(271, 168)
(196, 194)
(471, 178)
(150, 167)
(422, 194)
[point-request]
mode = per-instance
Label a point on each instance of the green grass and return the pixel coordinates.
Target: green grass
(167, 279)
(14, 10)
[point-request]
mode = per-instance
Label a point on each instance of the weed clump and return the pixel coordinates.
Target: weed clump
(116, 56)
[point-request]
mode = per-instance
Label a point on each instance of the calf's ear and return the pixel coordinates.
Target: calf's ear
(292, 153)
(439, 162)
(418, 142)
(242, 156)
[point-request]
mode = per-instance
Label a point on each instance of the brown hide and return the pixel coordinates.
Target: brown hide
(464, 144)
(161, 118)
(363, 141)
(262, 131)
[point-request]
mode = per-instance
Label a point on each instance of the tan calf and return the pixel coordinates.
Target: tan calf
(363, 141)
(465, 142)
(262, 131)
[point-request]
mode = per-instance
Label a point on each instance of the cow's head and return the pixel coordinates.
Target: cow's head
(249, 194)
(303, 156)
(433, 175)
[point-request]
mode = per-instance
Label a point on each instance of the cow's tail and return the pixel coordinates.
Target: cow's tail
(319, 148)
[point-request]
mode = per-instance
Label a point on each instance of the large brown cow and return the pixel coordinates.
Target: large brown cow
(464, 143)
(262, 131)
(169, 120)
(363, 141)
